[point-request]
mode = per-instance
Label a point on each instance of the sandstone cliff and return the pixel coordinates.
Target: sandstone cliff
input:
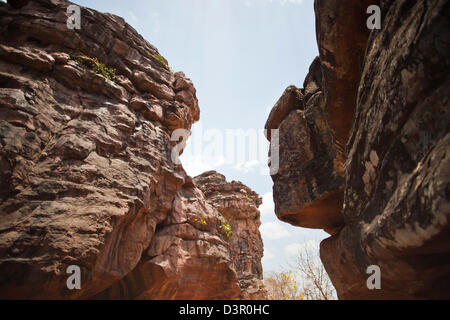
(86, 176)
(364, 147)
(238, 204)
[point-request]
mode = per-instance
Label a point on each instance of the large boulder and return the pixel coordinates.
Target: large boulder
(307, 189)
(385, 95)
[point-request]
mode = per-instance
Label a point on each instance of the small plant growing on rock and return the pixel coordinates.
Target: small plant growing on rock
(201, 220)
(245, 194)
(102, 69)
(95, 65)
(226, 228)
(75, 57)
(161, 60)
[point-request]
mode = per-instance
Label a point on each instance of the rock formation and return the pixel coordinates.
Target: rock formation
(86, 170)
(384, 94)
(239, 207)
(307, 189)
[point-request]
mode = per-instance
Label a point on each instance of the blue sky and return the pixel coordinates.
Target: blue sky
(240, 55)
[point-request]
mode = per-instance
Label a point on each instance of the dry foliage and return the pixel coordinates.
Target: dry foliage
(306, 280)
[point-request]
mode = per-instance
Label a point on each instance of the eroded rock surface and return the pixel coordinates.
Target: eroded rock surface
(307, 189)
(238, 205)
(189, 256)
(86, 173)
(385, 94)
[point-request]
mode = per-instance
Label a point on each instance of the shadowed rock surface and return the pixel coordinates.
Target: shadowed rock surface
(307, 189)
(385, 199)
(86, 173)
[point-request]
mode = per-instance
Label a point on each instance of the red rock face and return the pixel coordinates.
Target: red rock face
(85, 165)
(189, 256)
(385, 199)
(238, 205)
(341, 37)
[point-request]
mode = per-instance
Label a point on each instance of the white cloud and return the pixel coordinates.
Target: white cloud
(292, 1)
(283, 2)
(195, 165)
(155, 25)
(246, 167)
(250, 3)
(132, 16)
(267, 208)
(292, 250)
(268, 254)
(152, 21)
(273, 230)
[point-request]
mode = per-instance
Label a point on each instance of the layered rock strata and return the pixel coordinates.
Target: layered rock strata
(86, 170)
(238, 205)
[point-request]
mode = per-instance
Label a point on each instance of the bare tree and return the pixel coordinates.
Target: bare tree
(306, 279)
(316, 284)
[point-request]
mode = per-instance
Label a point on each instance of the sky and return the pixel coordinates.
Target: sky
(240, 55)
